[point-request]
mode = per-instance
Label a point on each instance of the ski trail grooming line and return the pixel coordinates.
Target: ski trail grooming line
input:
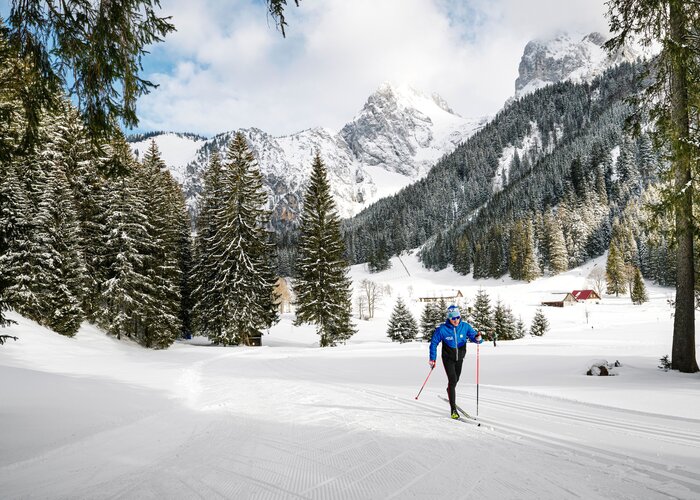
(686, 437)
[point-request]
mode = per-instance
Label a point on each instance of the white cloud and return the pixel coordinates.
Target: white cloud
(228, 67)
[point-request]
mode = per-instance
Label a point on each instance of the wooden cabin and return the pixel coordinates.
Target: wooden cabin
(566, 300)
(586, 296)
(449, 296)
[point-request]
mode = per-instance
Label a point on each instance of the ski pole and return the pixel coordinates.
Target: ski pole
(477, 380)
(426, 381)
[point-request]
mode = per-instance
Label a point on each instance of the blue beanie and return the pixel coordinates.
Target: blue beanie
(453, 312)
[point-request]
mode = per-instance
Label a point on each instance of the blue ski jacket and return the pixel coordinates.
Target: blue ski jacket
(454, 340)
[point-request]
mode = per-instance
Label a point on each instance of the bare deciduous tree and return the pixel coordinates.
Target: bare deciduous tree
(372, 293)
(597, 279)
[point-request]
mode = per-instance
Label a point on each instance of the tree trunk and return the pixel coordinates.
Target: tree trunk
(683, 351)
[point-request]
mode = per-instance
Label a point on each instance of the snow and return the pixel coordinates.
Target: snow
(387, 183)
(176, 150)
(95, 417)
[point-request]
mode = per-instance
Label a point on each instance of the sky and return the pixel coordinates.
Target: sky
(228, 66)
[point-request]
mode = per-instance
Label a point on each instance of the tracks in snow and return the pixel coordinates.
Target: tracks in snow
(607, 436)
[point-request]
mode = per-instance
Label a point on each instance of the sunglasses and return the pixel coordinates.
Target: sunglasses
(455, 318)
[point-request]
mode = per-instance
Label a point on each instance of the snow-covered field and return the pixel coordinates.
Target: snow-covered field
(93, 417)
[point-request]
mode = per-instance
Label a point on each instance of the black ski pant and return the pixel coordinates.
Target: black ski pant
(453, 369)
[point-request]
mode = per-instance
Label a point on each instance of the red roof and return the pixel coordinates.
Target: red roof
(584, 294)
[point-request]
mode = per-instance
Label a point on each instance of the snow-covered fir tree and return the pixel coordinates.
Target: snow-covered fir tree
(402, 324)
(322, 284)
(234, 253)
(166, 210)
(431, 317)
(520, 328)
(83, 167)
(482, 315)
(128, 290)
(207, 299)
(11, 126)
(503, 323)
(46, 263)
(540, 324)
(14, 228)
(60, 274)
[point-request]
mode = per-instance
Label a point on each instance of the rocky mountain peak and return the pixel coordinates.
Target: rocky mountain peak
(404, 131)
(565, 56)
(393, 141)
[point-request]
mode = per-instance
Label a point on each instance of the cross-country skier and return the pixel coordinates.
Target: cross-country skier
(453, 334)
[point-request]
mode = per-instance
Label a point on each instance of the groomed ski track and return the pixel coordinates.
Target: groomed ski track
(248, 424)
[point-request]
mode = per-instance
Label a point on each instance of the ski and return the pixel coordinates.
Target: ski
(462, 412)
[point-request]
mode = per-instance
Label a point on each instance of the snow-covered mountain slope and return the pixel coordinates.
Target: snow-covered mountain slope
(285, 163)
(177, 150)
(392, 142)
(566, 57)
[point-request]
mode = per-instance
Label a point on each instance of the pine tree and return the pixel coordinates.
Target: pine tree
(540, 325)
(639, 291)
(517, 251)
(462, 256)
(14, 229)
(430, 319)
(520, 328)
(379, 259)
(207, 298)
(556, 245)
(236, 255)
(48, 267)
(162, 325)
(186, 262)
(60, 274)
(127, 292)
(673, 88)
(503, 322)
(83, 168)
(322, 285)
(482, 316)
(95, 48)
(615, 272)
(402, 324)
(531, 269)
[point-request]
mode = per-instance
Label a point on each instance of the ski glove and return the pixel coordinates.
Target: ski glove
(431, 363)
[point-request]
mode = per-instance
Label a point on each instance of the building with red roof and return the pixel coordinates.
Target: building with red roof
(586, 296)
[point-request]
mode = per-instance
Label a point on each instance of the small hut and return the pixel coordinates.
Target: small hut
(566, 300)
(449, 296)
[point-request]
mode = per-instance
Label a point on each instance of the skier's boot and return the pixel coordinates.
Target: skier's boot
(454, 415)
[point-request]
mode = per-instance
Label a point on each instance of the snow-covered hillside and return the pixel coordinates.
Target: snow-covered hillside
(93, 417)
